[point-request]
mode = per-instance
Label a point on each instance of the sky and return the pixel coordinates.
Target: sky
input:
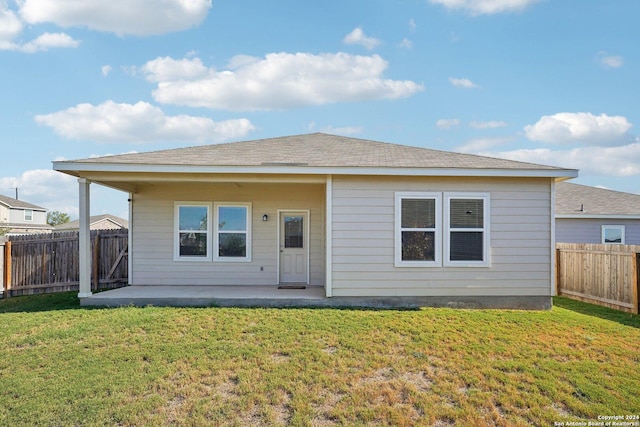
(553, 82)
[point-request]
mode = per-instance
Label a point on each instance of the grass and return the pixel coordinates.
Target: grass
(65, 365)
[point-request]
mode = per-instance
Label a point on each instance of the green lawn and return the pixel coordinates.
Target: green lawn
(65, 365)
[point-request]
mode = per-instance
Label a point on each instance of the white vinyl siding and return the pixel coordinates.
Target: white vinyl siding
(153, 214)
(363, 235)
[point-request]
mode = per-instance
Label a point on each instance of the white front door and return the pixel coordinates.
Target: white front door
(294, 242)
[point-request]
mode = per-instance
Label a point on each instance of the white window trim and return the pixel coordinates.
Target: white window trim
(30, 216)
(216, 234)
(437, 262)
(176, 232)
(619, 227)
(486, 238)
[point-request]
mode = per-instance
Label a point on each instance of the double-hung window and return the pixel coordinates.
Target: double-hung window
(28, 215)
(232, 238)
(418, 229)
(466, 237)
(192, 231)
(428, 234)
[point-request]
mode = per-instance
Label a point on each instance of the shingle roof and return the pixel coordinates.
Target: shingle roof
(72, 225)
(581, 200)
(19, 204)
(313, 150)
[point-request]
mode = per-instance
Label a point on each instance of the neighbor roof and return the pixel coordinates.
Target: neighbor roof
(74, 225)
(581, 201)
(19, 204)
(317, 150)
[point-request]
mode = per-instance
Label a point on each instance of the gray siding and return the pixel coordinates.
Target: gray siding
(363, 240)
(583, 230)
(153, 228)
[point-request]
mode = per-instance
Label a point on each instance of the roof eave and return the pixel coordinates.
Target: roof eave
(78, 169)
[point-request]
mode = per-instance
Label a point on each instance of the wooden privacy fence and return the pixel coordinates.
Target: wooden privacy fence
(49, 262)
(599, 274)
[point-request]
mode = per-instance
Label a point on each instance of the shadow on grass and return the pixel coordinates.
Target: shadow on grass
(41, 302)
(606, 313)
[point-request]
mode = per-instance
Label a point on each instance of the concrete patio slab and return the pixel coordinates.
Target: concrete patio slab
(271, 296)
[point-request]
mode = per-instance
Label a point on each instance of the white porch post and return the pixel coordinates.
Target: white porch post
(84, 262)
(328, 281)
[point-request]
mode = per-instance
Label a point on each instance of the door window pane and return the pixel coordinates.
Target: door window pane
(293, 232)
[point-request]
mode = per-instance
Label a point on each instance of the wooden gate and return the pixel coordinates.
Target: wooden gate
(49, 262)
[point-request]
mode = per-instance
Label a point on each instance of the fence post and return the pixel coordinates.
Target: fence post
(635, 284)
(558, 275)
(7, 269)
(96, 263)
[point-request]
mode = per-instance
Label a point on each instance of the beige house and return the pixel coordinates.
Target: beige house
(353, 218)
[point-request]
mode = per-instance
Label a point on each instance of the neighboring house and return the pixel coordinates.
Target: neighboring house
(22, 217)
(97, 222)
(359, 218)
(594, 215)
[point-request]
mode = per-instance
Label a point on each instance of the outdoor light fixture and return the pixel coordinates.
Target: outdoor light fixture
(265, 217)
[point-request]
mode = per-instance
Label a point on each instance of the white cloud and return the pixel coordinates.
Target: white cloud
(610, 61)
(586, 128)
(10, 27)
(487, 125)
(463, 83)
(49, 40)
(46, 188)
(618, 161)
(412, 25)
(447, 123)
(357, 36)
(406, 44)
(105, 70)
(167, 69)
(341, 130)
(485, 7)
(138, 123)
(279, 81)
(483, 144)
(135, 17)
